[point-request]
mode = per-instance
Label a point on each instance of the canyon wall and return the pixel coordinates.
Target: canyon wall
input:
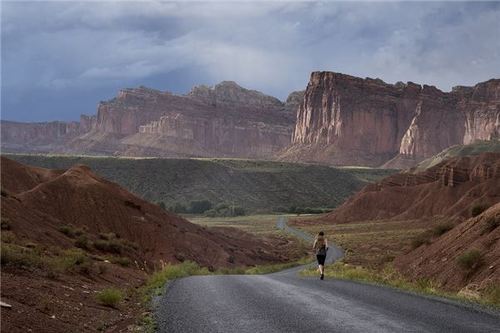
(36, 137)
(339, 119)
(225, 120)
(347, 120)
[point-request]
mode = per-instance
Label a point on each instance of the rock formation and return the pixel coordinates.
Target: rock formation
(347, 120)
(450, 188)
(339, 119)
(223, 120)
(44, 136)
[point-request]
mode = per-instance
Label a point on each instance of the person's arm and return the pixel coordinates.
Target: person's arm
(314, 244)
(326, 243)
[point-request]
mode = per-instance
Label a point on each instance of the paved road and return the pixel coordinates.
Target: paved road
(285, 302)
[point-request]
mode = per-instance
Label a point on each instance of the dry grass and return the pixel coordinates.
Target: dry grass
(369, 244)
(255, 224)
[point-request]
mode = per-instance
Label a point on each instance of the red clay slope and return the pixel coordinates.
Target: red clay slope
(439, 260)
(450, 189)
(37, 202)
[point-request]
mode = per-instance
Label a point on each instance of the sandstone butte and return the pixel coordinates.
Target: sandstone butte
(223, 120)
(339, 120)
(346, 120)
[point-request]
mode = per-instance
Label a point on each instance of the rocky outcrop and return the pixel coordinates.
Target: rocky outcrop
(43, 137)
(347, 120)
(223, 120)
(450, 188)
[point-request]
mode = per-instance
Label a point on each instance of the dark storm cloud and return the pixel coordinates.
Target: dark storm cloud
(60, 58)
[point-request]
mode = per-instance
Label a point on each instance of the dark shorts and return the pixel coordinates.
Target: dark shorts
(321, 259)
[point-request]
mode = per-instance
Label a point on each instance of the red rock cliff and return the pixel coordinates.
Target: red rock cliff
(348, 120)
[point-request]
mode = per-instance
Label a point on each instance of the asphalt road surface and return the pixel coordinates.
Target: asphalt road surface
(285, 302)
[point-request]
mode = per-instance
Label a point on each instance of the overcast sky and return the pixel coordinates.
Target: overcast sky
(59, 59)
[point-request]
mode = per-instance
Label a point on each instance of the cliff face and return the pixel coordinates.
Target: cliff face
(224, 120)
(349, 120)
(45, 136)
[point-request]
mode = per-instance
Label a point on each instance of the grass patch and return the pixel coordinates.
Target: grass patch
(441, 229)
(156, 282)
(110, 297)
(22, 257)
(492, 294)
(470, 260)
(114, 245)
(83, 242)
(70, 230)
(122, 261)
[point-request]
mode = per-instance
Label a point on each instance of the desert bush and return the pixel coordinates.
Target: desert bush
(83, 242)
(69, 260)
(307, 210)
(421, 239)
(70, 230)
(470, 260)
(115, 245)
(478, 209)
(199, 206)
(178, 208)
(110, 297)
(122, 261)
(492, 294)
(441, 229)
(225, 210)
(107, 236)
(5, 224)
(18, 256)
(491, 224)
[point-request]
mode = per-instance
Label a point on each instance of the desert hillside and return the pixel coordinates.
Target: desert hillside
(71, 239)
(41, 202)
(450, 188)
(467, 256)
(255, 186)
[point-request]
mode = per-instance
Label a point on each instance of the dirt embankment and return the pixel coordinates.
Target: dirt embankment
(466, 256)
(450, 189)
(458, 246)
(66, 235)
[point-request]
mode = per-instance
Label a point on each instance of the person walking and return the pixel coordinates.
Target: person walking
(320, 247)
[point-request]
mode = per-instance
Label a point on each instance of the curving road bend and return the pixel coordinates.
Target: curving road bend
(285, 302)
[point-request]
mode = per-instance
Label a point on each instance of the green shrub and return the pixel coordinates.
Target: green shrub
(421, 239)
(114, 245)
(83, 242)
(441, 229)
(491, 224)
(470, 260)
(72, 260)
(18, 256)
(178, 208)
(70, 230)
(107, 236)
(492, 294)
(110, 297)
(122, 261)
(478, 209)
(199, 206)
